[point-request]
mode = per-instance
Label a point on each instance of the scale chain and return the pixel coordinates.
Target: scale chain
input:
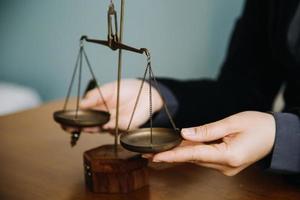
(137, 98)
(78, 64)
(164, 102)
(148, 55)
(94, 77)
(151, 76)
(150, 103)
(72, 81)
(150, 94)
(79, 82)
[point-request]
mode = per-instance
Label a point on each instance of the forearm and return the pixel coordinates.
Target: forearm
(203, 101)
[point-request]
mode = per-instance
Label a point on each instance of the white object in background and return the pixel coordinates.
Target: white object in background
(15, 98)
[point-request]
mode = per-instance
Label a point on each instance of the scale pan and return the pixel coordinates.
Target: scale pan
(85, 118)
(139, 140)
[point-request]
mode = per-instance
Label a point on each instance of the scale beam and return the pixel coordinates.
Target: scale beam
(113, 45)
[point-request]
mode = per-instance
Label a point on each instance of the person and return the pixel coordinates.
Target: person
(228, 121)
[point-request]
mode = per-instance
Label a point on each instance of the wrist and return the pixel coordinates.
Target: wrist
(272, 131)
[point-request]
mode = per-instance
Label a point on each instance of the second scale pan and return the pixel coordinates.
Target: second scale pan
(84, 118)
(139, 140)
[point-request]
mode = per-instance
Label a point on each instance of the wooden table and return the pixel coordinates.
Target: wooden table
(38, 163)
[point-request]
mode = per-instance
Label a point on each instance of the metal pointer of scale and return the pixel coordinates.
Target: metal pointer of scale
(75, 135)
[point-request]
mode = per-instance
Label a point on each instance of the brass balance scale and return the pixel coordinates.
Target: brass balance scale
(143, 140)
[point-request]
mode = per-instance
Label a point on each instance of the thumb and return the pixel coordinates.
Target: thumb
(210, 132)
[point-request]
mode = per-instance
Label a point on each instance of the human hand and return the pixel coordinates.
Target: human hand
(228, 145)
(128, 94)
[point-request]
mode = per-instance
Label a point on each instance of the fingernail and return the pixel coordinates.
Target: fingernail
(106, 127)
(188, 132)
(145, 156)
(156, 160)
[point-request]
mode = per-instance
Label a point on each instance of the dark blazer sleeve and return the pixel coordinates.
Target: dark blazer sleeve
(285, 157)
(249, 78)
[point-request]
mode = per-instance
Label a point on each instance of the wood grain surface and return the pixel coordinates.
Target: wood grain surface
(37, 162)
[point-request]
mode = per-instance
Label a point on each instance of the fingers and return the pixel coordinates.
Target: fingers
(212, 166)
(95, 129)
(210, 132)
(183, 144)
(86, 130)
(148, 156)
(200, 153)
(111, 124)
(70, 129)
(93, 97)
(226, 170)
(124, 117)
(90, 100)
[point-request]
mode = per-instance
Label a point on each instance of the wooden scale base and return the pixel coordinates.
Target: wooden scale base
(109, 172)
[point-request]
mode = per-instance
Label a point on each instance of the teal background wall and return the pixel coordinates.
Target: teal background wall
(39, 39)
